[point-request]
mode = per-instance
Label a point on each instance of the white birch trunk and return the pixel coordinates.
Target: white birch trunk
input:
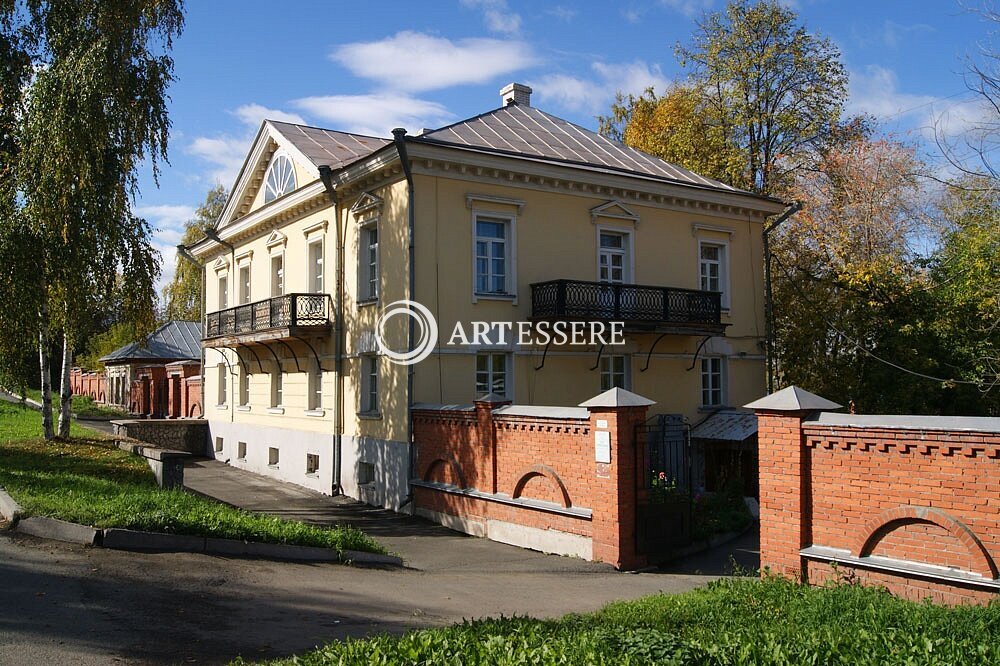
(43, 362)
(66, 390)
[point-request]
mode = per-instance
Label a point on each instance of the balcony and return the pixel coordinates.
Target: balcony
(272, 319)
(641, 308)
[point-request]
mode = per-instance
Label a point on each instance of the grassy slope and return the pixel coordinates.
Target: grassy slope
(86, 481)
(733, 621)
(82, 405)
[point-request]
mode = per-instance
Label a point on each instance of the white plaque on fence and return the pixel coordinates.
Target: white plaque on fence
(602, 423)
(602, 446)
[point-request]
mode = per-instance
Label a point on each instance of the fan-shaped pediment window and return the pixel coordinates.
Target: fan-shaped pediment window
(280, 178)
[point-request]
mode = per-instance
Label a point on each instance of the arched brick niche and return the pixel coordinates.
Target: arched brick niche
(541, 482)
(925, 535)
(445, 470)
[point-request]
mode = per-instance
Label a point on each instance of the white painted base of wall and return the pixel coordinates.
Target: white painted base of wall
(292, 445)
(533, 538)
(391, 460)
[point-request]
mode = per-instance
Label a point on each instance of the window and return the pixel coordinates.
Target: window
(219, 444)
(312, 463)
(712, 376)
(369, 384)
(612, 257)
(614, 372)
(221, 368)
(277, 386)
(316, 388)
(223, 292)
(366, 473)
(272, 456)
(241, 451)
(713, 269)
(368, 269)
(244, 397)
(491, 373)
(316, 267)
(280, 178)
(244, 283)
(277, 275)
(492, 256)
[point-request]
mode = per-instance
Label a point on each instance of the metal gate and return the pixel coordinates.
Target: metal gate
(663, 478)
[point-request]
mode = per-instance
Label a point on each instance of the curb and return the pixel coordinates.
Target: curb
(10, 510)
(135, 540)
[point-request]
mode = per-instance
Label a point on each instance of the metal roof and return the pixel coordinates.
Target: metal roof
(328, 147)
(173, 341)
(525, 130)
(909, 422)
(731, 425)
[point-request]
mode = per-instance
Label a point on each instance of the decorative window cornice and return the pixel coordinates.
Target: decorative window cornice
(276, 239)
(367, 205)
(471, 198)
(317, 227)
(615, 210)
(698, 227)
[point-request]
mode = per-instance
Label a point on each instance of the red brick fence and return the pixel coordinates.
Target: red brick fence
(91, 384)
(561, 480)
(911, 503)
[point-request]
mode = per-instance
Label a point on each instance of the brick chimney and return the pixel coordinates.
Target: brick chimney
(516, 93)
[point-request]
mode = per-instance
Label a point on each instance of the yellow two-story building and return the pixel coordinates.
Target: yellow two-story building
(511, 216)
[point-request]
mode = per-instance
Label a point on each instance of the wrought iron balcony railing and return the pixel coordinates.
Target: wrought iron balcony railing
(288, 311)
(637, 305)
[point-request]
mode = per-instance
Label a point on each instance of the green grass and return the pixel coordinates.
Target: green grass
(86, 480)
(738, 621)
(81, 405)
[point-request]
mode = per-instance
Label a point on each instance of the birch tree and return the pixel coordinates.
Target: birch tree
(94, 112)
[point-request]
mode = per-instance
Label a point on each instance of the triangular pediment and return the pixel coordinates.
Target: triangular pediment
(366, 205)
(266, 144)
(613, 209)
(276, 238)
(220, 264)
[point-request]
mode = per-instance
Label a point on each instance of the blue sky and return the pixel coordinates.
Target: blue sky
(371, 66)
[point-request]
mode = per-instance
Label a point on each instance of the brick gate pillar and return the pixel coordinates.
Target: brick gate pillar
(785, 520)
(487, 434)
(614, 417)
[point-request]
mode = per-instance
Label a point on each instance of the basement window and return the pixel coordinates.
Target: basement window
(218, 444)
(312, 463)
(272, 456)
(366, 473)
(241, 451)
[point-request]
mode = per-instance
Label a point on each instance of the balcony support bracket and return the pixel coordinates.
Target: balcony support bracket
(259, 364)
(650, 354)
(292, 352)
(312, 349)
(598, 361)
(225, 359)
(697, 351)
(277, 360)
(544, 354)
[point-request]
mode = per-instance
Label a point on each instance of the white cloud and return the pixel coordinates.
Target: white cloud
(893, 33)
(562, 13)
(595, 94)
(497, 16)
(167, 222)
(254, 114)
(875, 90)
(415, 62)
(632, 15)
(377, 113)
(689, 8)
(225, 153)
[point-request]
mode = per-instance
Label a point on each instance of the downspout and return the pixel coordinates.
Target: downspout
(769, 293)
(184, 253)
(326, 175)
(399, 138)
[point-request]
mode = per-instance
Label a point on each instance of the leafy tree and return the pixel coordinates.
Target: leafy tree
(184, 293)
(102, 344)
(94, 111)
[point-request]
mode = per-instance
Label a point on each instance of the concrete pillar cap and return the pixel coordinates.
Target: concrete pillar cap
(617, 397)
(792, 399)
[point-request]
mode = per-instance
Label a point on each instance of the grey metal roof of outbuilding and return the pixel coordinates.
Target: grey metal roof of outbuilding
(329, 147)
(173, 341)
(732, 425)
(525, 130)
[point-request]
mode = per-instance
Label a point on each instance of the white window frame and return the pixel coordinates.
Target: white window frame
(724, 264)
(370, 372)
(629, 250)
(706, 373)
(508, 372)
(278, 156)
(510, 255)
(365, 295)
(311, 268)
(608, 372)
(223, 387)
(243, 397)
(277, 387)
(244, 293)
(278, 254)
(314, 387)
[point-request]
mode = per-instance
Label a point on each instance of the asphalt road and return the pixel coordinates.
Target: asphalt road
(65, 604)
